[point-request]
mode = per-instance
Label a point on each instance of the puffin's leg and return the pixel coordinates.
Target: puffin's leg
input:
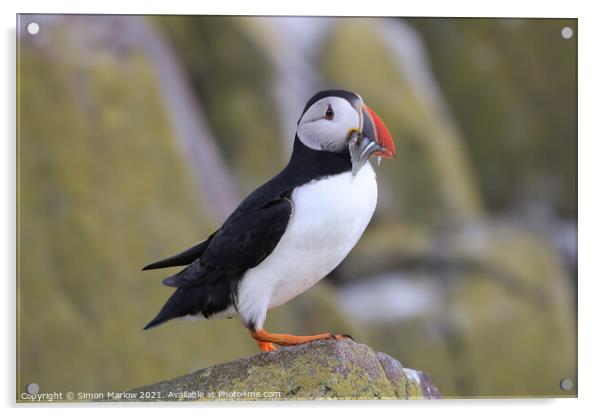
(266, 346)
(261, 335)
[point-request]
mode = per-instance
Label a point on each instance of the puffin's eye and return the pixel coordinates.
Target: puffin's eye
(329, 114)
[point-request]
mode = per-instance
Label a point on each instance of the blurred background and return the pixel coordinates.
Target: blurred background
(139, 135)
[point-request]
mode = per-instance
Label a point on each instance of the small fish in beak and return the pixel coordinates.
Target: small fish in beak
(361, 147)
(374, 139)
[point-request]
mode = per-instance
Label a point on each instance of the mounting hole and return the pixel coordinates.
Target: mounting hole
(33, 28)
(566, 32)
(32, 388)
(566, 384)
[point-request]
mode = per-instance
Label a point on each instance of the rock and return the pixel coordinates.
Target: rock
(318, 370)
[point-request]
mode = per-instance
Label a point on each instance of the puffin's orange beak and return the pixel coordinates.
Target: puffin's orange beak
(374, 128)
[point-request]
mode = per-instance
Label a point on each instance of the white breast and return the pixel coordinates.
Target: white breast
(328, 219)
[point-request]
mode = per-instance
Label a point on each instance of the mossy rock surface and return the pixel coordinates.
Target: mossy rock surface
(318, 370)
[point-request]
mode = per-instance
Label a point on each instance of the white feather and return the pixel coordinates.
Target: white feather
(329, 217)
(318, 133)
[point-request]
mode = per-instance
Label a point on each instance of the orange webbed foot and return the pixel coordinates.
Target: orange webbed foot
(264, 337)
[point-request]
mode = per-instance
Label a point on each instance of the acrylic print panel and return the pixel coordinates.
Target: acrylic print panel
(139, 135)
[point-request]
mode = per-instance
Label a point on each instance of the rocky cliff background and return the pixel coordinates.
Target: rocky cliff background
(138, 135)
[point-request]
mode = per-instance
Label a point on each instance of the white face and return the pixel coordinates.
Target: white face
(327, 124)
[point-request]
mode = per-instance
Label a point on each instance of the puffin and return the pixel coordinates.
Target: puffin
(291, 231)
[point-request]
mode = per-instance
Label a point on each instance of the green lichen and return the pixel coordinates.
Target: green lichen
(320, 370)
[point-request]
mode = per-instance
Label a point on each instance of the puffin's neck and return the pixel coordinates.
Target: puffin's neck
(307, 164)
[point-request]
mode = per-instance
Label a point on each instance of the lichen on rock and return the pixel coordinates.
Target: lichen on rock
(319, 370)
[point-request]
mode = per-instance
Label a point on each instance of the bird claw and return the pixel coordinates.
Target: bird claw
(267, 346)
(342, 336)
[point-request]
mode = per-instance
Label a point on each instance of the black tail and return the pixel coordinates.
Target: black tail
(205, 299)
(184, 301)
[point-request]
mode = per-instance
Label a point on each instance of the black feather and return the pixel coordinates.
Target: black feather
(242, 243)
(180, 259)
(202, 299)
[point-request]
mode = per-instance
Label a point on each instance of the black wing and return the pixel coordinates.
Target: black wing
(243, 242)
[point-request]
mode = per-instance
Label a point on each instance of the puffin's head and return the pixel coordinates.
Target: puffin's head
(339, 121)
